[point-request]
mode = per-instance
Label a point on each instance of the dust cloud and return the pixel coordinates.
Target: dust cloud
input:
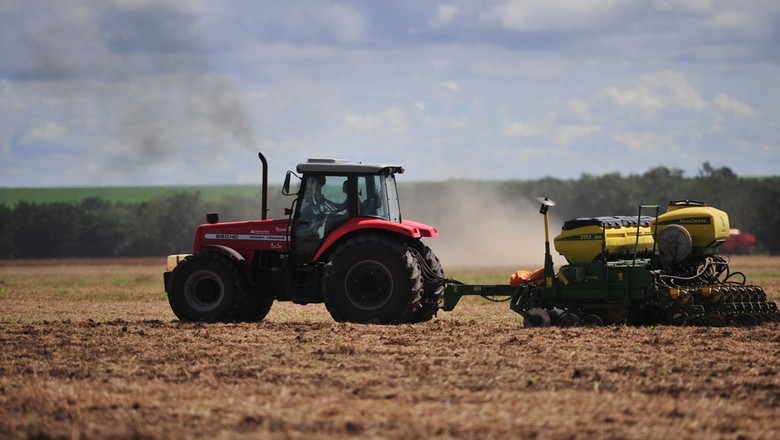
(478, 226)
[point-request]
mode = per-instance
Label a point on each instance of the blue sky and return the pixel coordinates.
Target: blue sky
(156, 92)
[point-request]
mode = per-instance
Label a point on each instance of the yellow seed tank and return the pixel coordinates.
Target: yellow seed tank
(708, 226)
(581, 239)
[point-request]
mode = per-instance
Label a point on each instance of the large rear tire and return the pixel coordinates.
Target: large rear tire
(433, 289)
(209, 287)
(372, 279)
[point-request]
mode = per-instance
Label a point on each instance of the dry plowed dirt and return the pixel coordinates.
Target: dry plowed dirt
(128, 369)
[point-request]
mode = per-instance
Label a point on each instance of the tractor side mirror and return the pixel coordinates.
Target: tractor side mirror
(286, 186)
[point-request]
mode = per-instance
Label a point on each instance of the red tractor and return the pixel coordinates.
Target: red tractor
(739, 243)
(344, 243)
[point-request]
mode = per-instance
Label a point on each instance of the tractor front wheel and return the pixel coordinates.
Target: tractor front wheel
(372, 279)
(208, 287)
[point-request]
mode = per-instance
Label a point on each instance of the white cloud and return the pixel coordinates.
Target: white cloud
(725, 103)
(452, 86)
(445, 14)
(566, 135)
(46, 132)
(313, 19)
(563, 135)
(391, 121)
(677, 90)
(522, 129)
(638, 142)
(640, 98)
(737, 18)
(554, 15)
(189, 6)
(658, 91)
(580, 108)
(661, 91)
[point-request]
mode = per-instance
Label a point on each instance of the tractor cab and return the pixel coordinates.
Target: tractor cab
(333, 192)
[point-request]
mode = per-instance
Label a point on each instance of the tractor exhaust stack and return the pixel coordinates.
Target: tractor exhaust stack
(264, 190)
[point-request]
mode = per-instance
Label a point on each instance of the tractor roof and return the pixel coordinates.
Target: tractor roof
(340, 166)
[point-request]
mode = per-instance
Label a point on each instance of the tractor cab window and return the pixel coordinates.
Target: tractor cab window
(324, 195)
(323, 206)
(393, 207)
(377, 197)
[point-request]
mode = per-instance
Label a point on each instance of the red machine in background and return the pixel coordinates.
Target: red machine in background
(739, 243)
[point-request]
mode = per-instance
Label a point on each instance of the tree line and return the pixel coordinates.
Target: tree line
(97, 228)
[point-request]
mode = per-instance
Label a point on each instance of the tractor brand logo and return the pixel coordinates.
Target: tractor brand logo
(693, 221)
(258, 231)
(224, 236)
(254, 237)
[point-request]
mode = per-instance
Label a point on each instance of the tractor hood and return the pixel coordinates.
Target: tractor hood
(244, 237)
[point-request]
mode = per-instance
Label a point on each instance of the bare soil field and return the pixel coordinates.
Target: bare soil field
(91, 350)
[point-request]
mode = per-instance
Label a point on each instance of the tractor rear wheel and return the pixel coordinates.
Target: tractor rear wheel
(208, 287)
(372, 279)
(433, 288)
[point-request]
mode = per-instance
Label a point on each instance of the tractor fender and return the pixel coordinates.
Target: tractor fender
(425, 230)
(235, 256)
(408, 229)
(232, 253)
